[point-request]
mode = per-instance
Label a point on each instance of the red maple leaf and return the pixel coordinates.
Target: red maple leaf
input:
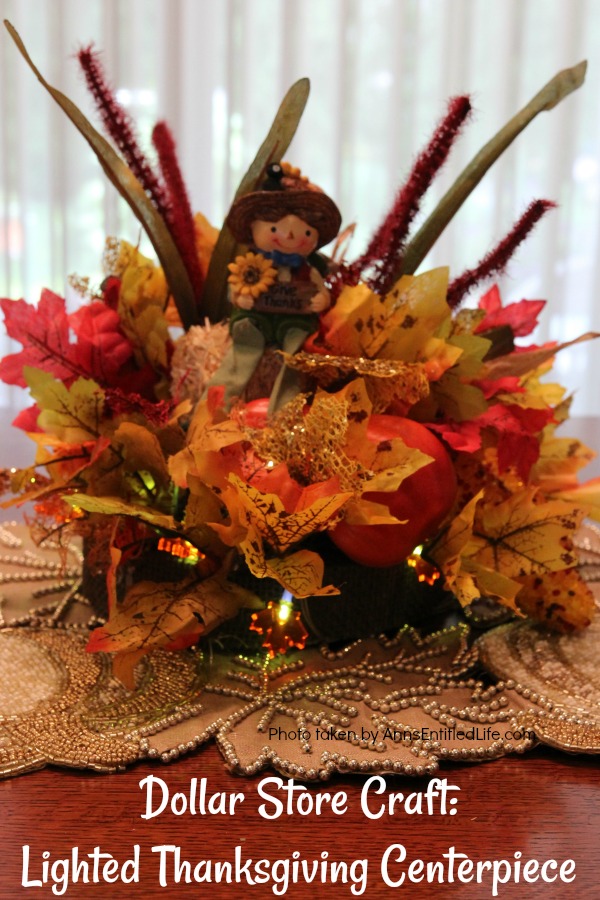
(521, 317)
(517, 429)
(44, 332)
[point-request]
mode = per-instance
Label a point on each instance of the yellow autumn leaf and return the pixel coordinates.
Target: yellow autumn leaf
(386, 381)
(488, 583)
(448, 548)
(366, 512)
(115, 506)
(73, 414)
(391, 462)
(525, 536)
(157, 614)
(560, 460)
(412, 312)
(346, 333)
(141, 450)
(586, 496)
(393, 327)
(279, 527)
(561, 601)
(300, 572)
(142, 301)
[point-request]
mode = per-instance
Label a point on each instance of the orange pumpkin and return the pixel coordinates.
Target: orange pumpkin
(424, 499)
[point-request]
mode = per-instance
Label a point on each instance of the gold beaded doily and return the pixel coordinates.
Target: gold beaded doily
(401, 706)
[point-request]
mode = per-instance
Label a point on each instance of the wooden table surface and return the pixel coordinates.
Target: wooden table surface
(545, 805)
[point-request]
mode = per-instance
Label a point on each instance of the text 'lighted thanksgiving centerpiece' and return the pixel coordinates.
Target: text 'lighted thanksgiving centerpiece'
(332, 406)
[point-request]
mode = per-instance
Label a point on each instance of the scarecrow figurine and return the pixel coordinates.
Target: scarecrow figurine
(276, 291)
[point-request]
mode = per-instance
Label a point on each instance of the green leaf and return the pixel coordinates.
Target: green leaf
(559, 87)
(214, 296)
(132, 192)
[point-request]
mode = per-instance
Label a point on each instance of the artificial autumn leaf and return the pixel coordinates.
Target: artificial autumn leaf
(521, 317)
(366, 512)
(44, 332)
(387, 381)
(562, 601)
(73, 413)
(116, 555)
(201, 508)
(517, 429)
(279, 527)
(524, 361)
(458, 400)
(142, 300)
(559, 461)
(155, 614)
(123, 667)
(102, 348)
(141, 451)
(447, 549)
(464, 437)
(116, 506)
(525, 535)
(300, 573)
(453, 394)
(473, 581)
(159, 613)
(392, 327)
(586, 496)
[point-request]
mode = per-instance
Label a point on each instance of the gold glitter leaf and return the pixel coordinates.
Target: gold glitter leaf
(386, 380)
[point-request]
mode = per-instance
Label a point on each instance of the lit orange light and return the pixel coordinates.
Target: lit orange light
(425, 571)
(181, 549)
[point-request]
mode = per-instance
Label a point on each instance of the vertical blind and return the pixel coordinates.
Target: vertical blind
(381, 71)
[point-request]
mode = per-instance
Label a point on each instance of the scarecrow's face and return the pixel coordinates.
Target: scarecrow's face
(290, 234)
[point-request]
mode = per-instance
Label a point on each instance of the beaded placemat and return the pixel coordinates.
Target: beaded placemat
(400, 706)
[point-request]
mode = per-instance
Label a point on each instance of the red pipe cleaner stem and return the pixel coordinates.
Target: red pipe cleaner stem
(120, 127)
(498, 258)
(384, 252)
(181, 220)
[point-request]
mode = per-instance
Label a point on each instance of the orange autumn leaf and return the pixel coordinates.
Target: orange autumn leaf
(474, 581)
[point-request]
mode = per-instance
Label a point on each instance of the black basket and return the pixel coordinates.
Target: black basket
(372, 601)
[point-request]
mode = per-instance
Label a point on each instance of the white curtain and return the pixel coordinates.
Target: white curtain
(381, 71)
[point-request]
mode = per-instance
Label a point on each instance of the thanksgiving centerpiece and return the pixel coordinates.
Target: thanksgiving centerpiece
(247, 407)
